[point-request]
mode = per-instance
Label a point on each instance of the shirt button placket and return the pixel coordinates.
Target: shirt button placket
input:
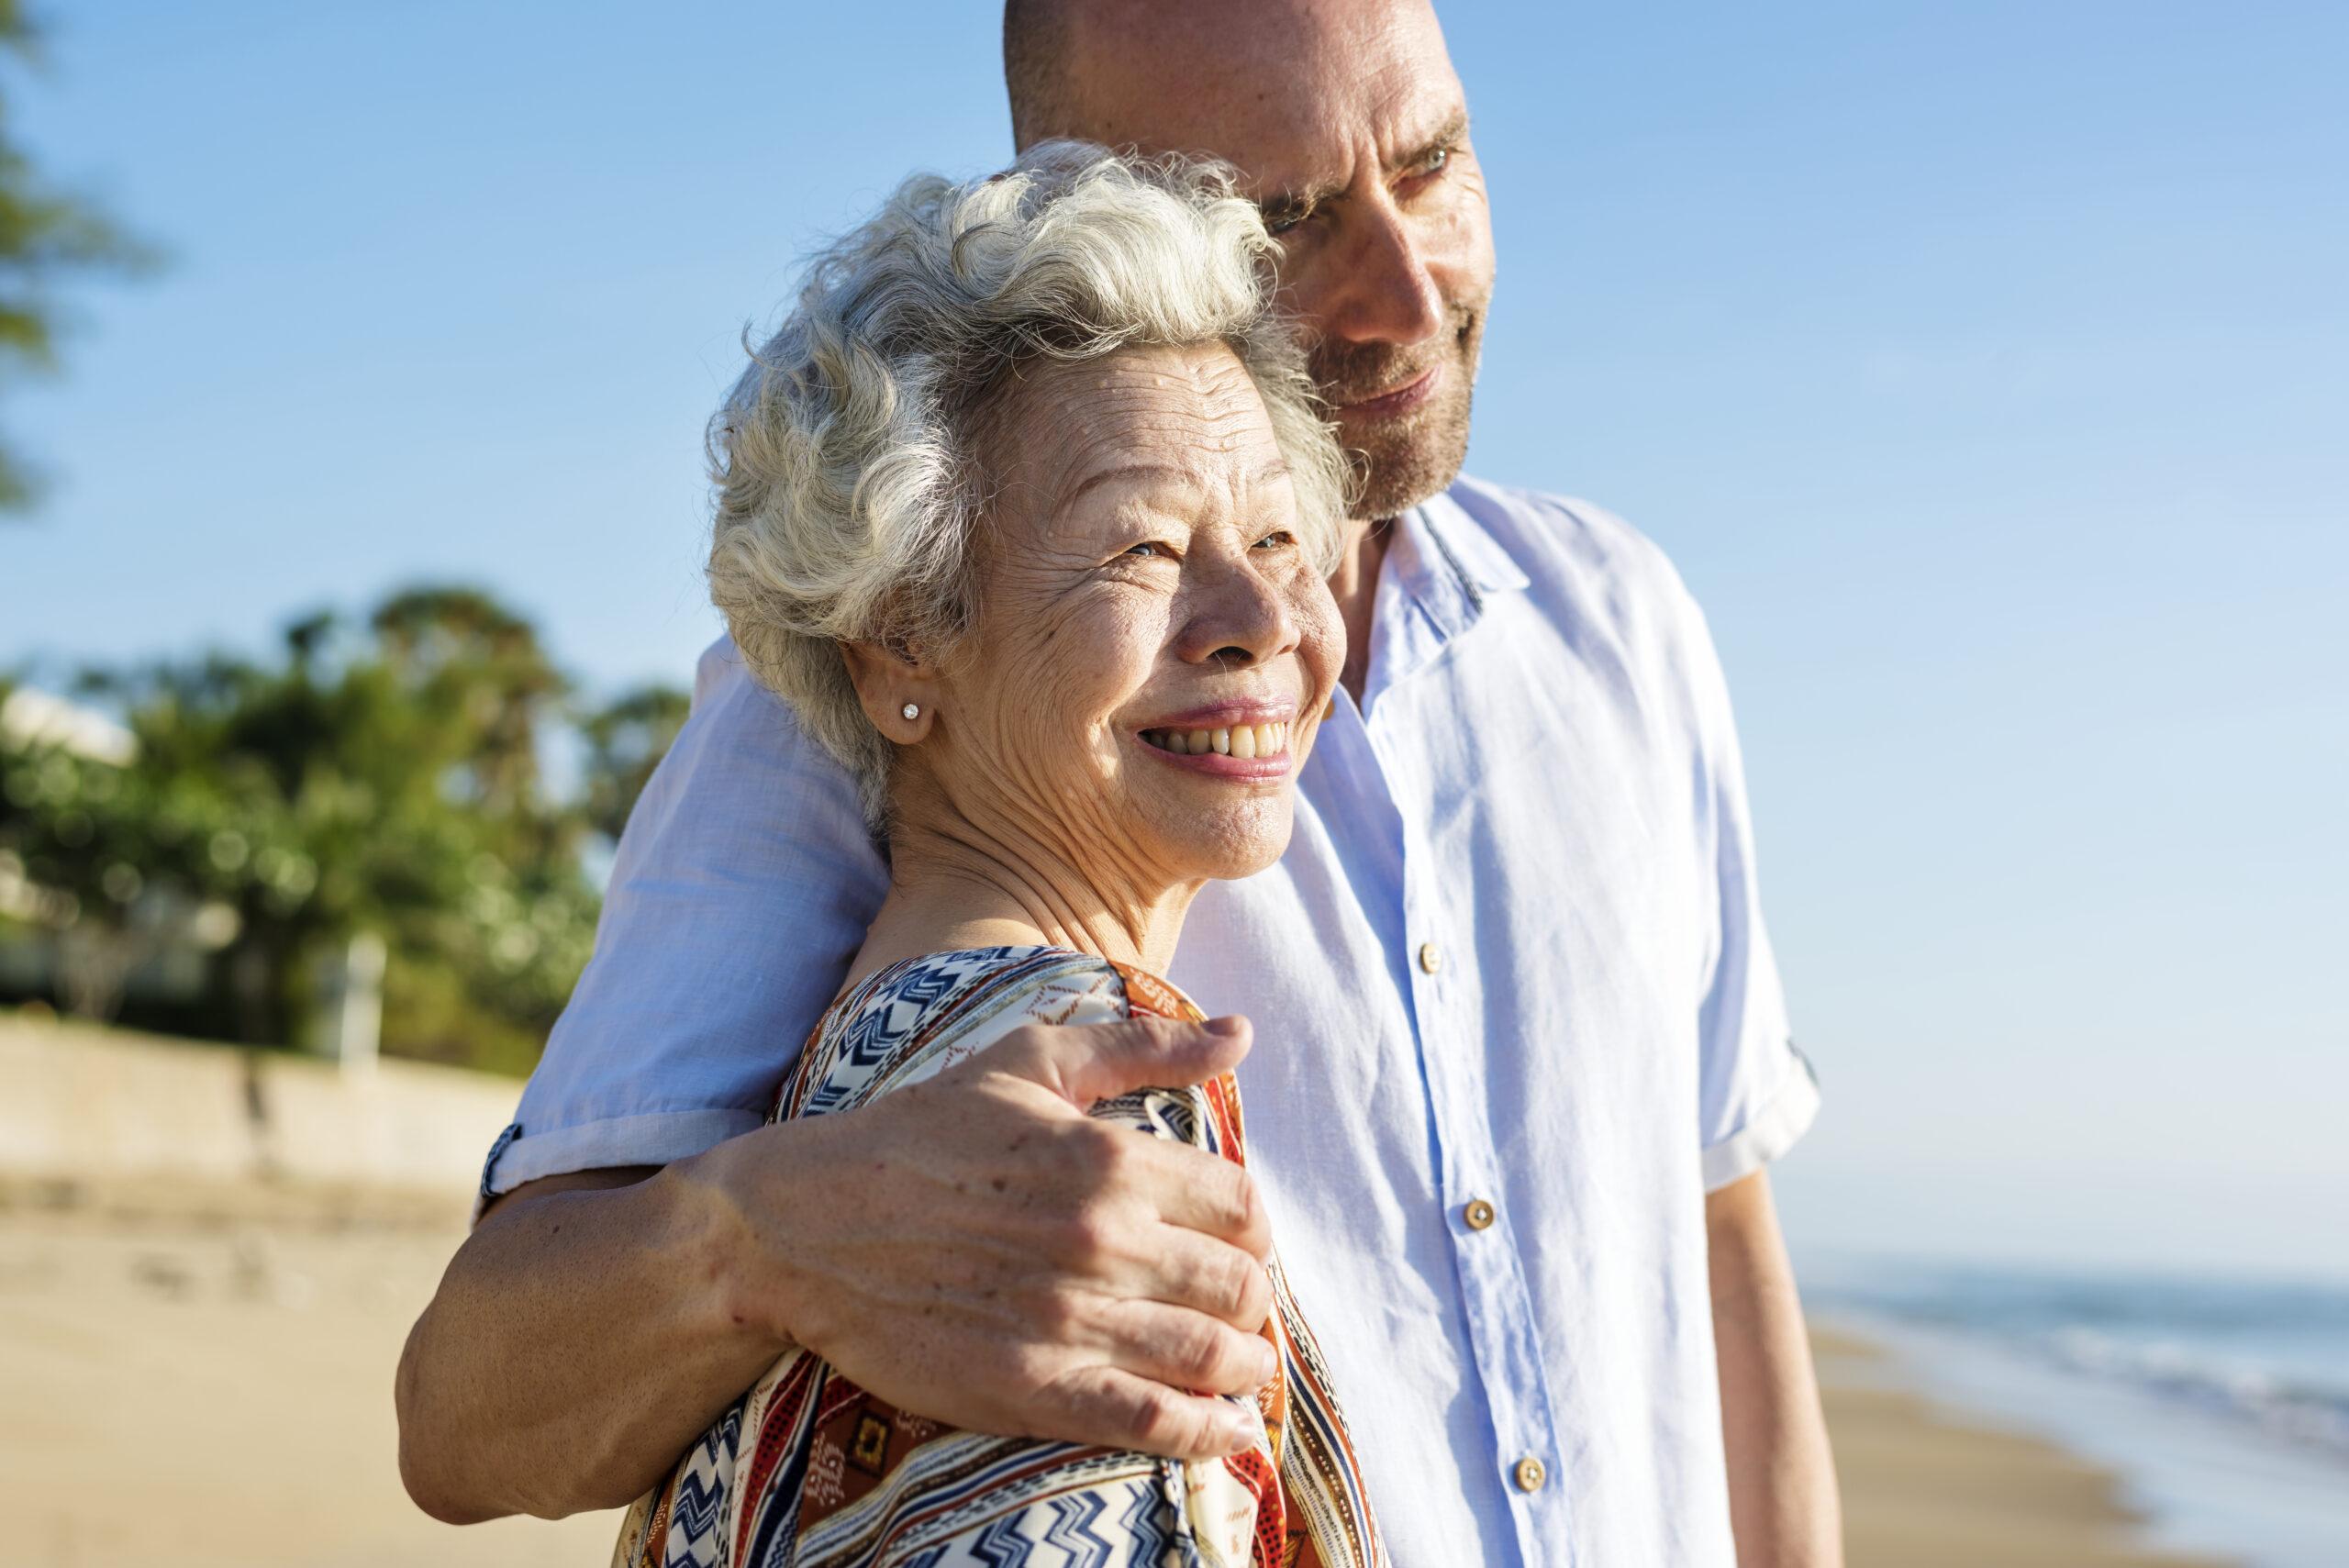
(1527, 1473)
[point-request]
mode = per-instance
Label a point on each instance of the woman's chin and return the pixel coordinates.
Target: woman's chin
(1235, 844)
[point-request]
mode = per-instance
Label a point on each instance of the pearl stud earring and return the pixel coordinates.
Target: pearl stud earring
(911, 710)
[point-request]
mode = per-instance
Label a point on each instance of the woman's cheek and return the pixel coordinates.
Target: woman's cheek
(1321, 633)
(1088, 669)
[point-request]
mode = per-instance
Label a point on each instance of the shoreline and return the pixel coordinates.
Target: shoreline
(202, 1374)
(1926, 1486)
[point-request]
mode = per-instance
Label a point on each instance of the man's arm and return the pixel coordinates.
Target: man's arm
(567, 1348)
(972, 1247)
(1783, 1502)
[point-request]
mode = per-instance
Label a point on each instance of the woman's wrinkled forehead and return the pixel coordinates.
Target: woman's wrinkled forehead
(1068, 443)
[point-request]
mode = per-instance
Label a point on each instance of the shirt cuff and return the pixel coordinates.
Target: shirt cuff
(655, 1139)
(1772, 1130)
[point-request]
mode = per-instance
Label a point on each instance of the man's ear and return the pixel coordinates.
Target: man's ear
(898, 689)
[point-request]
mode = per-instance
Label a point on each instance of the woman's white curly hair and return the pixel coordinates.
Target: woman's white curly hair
(846, 458)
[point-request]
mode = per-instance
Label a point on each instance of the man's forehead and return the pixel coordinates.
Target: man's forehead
(1288, 90)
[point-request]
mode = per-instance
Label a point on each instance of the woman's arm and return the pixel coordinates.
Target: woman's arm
(1783, 1501)
(972, 1247)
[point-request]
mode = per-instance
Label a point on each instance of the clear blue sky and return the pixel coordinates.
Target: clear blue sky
(1985, 367)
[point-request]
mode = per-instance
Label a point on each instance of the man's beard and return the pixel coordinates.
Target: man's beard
(1402, 460)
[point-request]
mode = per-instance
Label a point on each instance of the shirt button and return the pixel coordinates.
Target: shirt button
(1478, 1215)
(1530, 1473)
(1431, 957)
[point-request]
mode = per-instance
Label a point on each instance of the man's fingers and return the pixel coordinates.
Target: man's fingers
(1211, 1276)
(1187, 1349)
(1088, 1062)
(1104, 1406)
(1195, 1190)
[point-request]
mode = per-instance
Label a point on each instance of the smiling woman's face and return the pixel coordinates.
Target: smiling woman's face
(1153, 646)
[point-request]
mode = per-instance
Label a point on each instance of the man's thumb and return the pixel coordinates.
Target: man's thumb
(1088, 1062)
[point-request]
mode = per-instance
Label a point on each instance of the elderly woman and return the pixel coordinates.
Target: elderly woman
(1025, 512)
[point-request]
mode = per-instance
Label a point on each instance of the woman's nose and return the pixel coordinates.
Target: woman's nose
(1239, 619)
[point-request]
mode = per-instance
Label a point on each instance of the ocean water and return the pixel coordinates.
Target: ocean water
(2223, 1405)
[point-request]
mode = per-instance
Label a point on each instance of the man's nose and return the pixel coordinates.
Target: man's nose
(1386, 292)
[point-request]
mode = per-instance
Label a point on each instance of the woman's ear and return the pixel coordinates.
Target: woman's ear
(898, 689)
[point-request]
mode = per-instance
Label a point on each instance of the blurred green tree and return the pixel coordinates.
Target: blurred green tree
(625, 740)
(379, 777)
(46, 236)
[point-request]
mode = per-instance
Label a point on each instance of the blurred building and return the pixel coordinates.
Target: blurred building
(40, 926)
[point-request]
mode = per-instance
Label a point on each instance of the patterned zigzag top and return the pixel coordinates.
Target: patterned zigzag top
(810, 1471)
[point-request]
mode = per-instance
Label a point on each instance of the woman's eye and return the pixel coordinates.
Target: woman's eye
(1280, 541)
(1147, 550)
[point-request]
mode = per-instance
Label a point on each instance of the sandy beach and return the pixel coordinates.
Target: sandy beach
(1924, 1488)
(203, 1376)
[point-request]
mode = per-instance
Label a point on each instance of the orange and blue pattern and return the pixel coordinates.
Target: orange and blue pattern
(810, 1471)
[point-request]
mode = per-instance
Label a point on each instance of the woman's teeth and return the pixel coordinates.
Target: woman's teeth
(1245, 740)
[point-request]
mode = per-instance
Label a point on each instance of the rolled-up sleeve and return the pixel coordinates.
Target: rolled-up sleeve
(741, 890)
(1757, 1092)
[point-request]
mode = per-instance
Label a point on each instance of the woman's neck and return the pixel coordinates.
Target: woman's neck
(956, 885)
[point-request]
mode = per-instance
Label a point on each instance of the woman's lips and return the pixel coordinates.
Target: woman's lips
(1245, 741)
(1402, 400)
(1249, 742)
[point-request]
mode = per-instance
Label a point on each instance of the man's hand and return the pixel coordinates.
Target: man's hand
(973, 1248)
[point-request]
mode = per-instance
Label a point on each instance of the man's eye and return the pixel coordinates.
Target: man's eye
(1147, 550)
(1433, 164)
(1285, 220)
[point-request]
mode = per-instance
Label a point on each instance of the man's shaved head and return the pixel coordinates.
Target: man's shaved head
(1347, 123)
(1035, 53)
(1110, 70)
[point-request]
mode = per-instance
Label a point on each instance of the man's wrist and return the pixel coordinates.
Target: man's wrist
(709, 1229)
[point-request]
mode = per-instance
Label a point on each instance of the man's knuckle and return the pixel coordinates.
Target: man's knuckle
(1245, 1206)
(1249, 1291)
(1255, 1302)
(1057, 1315)
(1158, 1417)
(1222, 1283)
(1075, 1153)
(1204, 1357)
(1084, 1239)
(1111, 1150)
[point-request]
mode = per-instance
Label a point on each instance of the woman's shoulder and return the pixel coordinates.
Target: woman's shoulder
(921, 1016)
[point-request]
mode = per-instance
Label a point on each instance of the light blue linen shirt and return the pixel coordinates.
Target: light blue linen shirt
(1514, 1013)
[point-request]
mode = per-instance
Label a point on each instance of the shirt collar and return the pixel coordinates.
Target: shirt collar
(1475, 558)
(1441, 569)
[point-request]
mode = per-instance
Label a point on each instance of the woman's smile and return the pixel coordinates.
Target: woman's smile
(1246, 742)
